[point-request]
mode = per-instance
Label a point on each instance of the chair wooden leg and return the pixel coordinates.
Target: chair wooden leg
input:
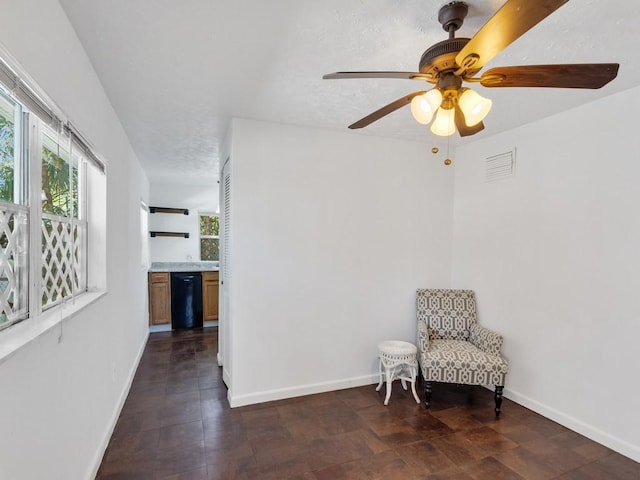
(428, 388)
(498, 399)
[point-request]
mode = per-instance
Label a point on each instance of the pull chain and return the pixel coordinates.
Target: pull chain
(447, 161)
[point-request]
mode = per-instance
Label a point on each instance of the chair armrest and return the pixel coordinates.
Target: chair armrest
(423, 336)
(485, 339)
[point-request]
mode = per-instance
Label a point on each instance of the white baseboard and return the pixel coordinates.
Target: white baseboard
(167, 327)
(160, 328)
(116, 414)
(621, 446)
(301, 390)
(226, 378)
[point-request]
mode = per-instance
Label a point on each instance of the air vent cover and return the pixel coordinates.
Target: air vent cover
(500, 166)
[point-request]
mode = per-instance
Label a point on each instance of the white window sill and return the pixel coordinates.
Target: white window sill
(14, 338)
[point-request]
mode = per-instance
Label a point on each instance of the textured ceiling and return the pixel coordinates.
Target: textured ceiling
(177, 71)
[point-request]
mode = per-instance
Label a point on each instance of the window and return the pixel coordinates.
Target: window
(209, 237)
(14, 217)
(10, 150)
(63, 225)
(43, 205)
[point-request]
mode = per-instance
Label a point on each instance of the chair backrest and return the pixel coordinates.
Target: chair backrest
(448, 313)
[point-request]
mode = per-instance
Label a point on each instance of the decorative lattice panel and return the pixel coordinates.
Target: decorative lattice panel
(62, 261)
(14, 267)
(209, 249)
(79, 259)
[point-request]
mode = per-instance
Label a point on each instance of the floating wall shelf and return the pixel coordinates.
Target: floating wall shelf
(183, 211)
(169, 234)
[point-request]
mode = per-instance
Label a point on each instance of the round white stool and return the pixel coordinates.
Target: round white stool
(400, 362)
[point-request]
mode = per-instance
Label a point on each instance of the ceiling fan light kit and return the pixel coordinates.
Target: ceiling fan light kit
(474, 106)
(444, 124)
(449, 63)
(424, 107)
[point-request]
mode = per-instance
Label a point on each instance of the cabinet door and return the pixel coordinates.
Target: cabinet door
(210, 295)
(159, 298)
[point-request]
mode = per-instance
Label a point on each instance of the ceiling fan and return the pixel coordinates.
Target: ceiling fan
(450, 63)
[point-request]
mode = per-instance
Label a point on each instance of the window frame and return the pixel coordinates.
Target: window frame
(18, 269)
(201, 236)
(71, 246)
(76, 221)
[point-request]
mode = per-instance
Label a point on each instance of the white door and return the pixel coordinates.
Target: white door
(224, 329)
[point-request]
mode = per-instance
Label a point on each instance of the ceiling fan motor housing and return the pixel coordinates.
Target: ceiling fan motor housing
(441, 57)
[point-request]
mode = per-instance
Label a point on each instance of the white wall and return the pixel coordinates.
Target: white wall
(59, 400)
(196, 198)
(553, 256)
(332, 234)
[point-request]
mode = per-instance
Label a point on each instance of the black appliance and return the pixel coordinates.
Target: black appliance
(186, 300)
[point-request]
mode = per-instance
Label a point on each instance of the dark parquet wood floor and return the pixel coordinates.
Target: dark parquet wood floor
(177, 425)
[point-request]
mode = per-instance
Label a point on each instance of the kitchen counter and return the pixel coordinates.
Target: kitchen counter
(184, 267)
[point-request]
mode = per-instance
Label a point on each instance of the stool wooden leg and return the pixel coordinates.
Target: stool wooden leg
(380, 372)
(387, 374)
(413, 385)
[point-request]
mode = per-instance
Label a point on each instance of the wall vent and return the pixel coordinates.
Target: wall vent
(500, 166)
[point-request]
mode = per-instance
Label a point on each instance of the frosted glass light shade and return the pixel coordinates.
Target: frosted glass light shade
(444, 125)
(424, 106)
(474, 107)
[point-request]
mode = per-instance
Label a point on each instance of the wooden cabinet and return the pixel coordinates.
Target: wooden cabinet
(159, 298)
(210, 284)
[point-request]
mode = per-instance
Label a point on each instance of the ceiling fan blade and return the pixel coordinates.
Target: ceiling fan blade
(577, 75)
(461, 125)
(514, 18)
(400, 75)
(386, 110)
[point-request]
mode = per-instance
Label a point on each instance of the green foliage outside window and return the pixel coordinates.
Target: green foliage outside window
(59, 195)
(209, 249)
(7, 142)
(209, 241)
(209, 225)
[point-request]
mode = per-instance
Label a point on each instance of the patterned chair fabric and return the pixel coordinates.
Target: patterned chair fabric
(447, 313)
(452, 347)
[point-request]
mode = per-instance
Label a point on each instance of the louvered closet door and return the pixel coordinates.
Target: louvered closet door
(226, 227)
(225, 270)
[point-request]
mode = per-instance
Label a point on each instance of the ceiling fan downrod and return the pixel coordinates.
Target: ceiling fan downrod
(441, 56)
(451, 16)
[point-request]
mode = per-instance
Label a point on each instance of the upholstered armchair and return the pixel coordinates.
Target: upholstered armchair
(452, 347)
